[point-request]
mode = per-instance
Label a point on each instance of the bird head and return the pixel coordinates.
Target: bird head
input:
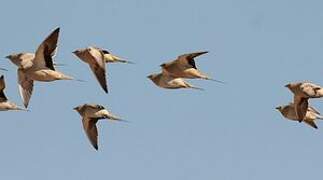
(288, 85)
(279, 108)
(150, 76)
(76, 52)
(77, 108)
(15, 56)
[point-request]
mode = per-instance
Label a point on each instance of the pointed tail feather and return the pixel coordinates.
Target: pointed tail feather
(80, 80)
(122, 120)
(65, 77)
(125, 61)
(59, 64)
(115, 118)
(211, 79)
(197, 88)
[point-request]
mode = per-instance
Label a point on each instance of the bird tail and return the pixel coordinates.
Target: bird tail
(116, 118)
(119, 59)
(65, 77)
(319, 117)
(125, 61)
(197, 88)
(211, 79)
(59, 64)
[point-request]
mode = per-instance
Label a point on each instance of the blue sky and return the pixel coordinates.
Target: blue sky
(226, 132)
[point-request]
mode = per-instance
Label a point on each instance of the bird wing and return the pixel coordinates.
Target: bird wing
(89, 125)
(25, 87)
(188, 59)
(301, 105)
(310, 89)
(311, 123)
(46, 51)
(97, 64)
(3, 97)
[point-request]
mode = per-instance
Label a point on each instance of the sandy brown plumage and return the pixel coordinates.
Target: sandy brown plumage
(288, 111)
(38, 66)
(165, 80)
(303, 91)
(4, 103)
(91, 114)
(95, 59)
(185, 67)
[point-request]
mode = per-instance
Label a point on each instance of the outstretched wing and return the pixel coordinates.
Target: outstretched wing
(89, 125)
(97, 65)
(3, 97)
(46, 51)
(301, 105)
(26, 86)
(188, 59)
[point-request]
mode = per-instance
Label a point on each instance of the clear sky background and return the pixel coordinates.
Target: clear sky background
(226, 132)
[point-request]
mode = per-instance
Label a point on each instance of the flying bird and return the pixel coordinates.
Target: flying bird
(95, 58)
(6, 105)
(288, 111)
(38, 66)
(91, 114)
(165, 80)
(302, 92)
(184, 67)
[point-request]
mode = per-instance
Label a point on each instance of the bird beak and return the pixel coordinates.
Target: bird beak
(75, 108)
(8, 57)
(287, 85)
(277, 108)
(74, 52)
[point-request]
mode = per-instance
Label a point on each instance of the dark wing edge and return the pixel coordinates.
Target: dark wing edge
(89, 125)
(25, 87)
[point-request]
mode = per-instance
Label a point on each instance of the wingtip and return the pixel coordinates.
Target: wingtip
(57, 29)
(105, 89)
(26, 105)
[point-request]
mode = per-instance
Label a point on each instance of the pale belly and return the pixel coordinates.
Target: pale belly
(171, 84)
(45, 75)
(4, 106)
